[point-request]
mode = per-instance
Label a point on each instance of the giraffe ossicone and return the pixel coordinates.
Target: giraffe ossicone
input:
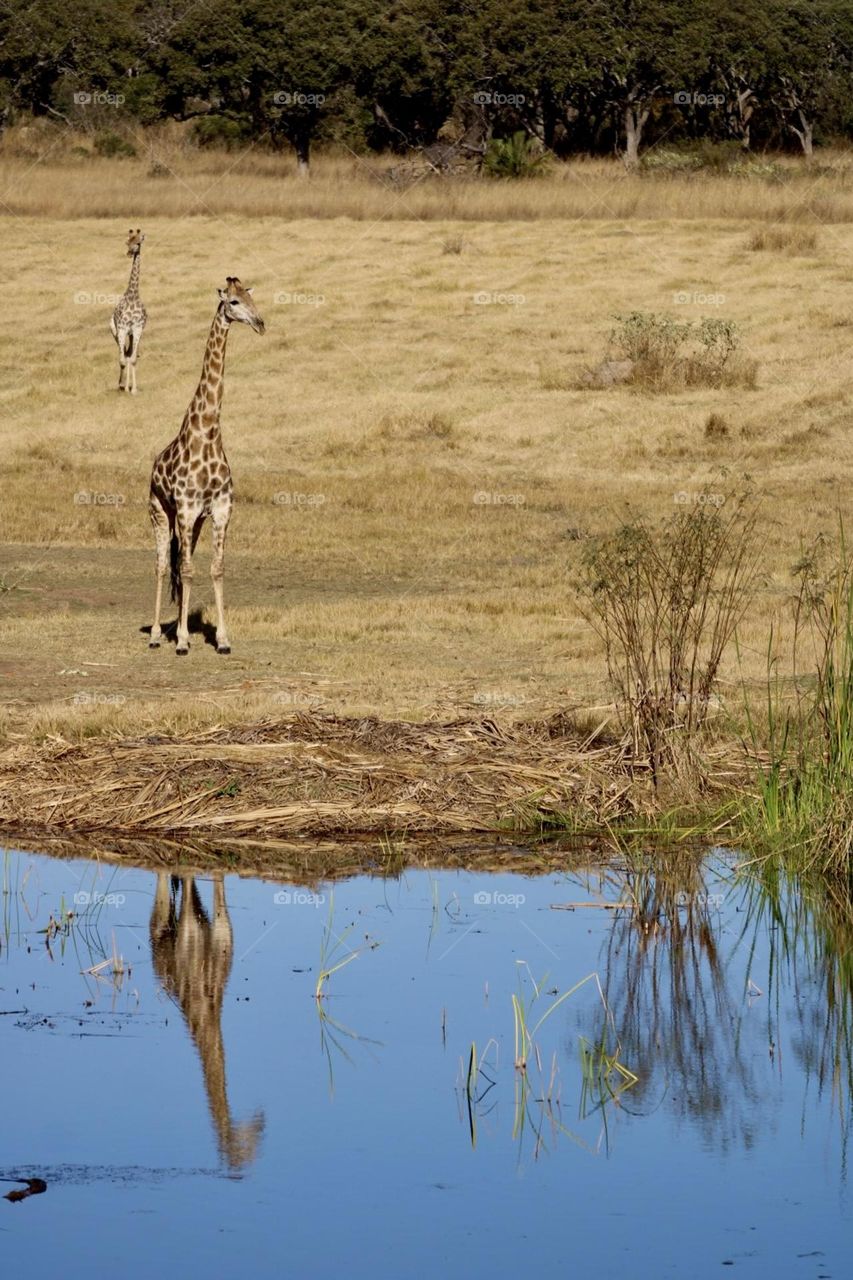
(191, 478)
(129, 318)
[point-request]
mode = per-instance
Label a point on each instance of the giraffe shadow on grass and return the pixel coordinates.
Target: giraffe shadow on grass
(197, 626)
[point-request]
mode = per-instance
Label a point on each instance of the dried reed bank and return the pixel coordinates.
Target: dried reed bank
(316, 775)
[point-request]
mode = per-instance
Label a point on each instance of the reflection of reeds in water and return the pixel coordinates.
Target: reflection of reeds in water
(192, 955)
(335, 954)
(666, 985)
(680, 1010)
(812, 922)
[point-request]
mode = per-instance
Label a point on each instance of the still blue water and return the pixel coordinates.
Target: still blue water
(170, 1073)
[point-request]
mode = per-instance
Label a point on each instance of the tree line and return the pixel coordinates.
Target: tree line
(576, 76)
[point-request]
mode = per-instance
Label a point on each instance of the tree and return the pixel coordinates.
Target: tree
(810, 59)
(49, 50)
(630, 51)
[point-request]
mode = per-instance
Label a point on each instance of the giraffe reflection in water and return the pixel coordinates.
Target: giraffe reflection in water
(192, 954)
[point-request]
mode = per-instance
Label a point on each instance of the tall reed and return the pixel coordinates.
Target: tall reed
(803, 799)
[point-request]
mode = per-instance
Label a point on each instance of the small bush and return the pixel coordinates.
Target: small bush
(666, 600)
(453, 244)
(113, 146)
(794, 240)
(716, 427)
(646, 338)
(669, 161)
(218, 131)
(691, 157)
(668, 355)
(515, 157)
(761, 170)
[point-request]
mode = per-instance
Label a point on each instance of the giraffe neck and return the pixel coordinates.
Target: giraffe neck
(132, 290)
(202, 416)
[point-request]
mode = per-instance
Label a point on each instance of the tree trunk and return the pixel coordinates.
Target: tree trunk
(635, 119)
(745, 111)
(302, 146)
(740, 107)
(805, 133)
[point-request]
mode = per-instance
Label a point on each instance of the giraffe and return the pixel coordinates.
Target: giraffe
(128, 319)
(191, 478)
(192, 957)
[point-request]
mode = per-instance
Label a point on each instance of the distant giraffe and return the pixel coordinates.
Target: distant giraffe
(192, 957)
(129, 318)
(192, 479)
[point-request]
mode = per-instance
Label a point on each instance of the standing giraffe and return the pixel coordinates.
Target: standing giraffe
(192, 479)
(192, 956)
(128, 319)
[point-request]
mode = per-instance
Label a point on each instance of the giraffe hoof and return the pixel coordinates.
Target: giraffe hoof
(153, 644)
(182, 652)
(223, 648)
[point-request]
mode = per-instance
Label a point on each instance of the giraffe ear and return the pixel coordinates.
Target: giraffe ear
(223, 294)
(250, 292)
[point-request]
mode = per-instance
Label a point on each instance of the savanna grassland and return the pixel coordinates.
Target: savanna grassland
(417, 464)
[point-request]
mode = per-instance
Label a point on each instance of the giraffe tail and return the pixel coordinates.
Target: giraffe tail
(128, 344)
(175, 566)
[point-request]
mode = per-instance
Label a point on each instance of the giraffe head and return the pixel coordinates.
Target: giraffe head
(134, 242)
(236, 304)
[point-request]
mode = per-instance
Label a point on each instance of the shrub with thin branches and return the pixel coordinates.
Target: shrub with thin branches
(668, 355)
(666, 600)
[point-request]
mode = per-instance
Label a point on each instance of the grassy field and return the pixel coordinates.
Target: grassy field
(416, 469)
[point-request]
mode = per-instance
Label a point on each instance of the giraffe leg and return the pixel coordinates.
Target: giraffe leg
(162, 533)
(133, 357)
(121, 339)
(220, 514)
(186, 525)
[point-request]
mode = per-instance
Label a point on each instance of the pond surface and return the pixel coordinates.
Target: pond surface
(193, 1107)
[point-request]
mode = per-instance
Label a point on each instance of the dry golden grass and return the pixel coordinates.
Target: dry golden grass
(792, 239)
(415, 473)
(48, 171)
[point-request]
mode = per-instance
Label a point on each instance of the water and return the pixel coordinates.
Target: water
(203, 1109)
